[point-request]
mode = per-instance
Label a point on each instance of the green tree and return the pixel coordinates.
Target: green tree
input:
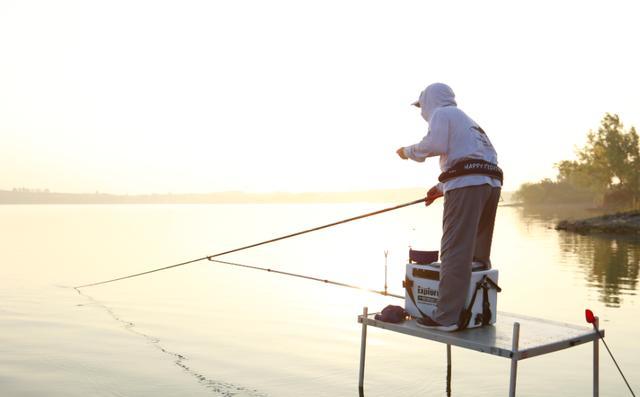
(609, 163)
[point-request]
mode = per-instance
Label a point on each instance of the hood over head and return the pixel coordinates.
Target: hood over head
(435, 96)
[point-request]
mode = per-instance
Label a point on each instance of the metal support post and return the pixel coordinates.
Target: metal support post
(363, 347)
(596, 360)
(514, 359)
(448, 370)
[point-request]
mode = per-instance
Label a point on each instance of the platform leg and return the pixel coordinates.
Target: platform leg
(448, 370)
(596, 362)
(514, 359)
(363, 347)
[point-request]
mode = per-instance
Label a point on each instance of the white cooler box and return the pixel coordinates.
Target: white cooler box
(422, 283)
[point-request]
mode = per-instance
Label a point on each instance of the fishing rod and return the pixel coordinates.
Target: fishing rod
(421, 200)
(340, 284)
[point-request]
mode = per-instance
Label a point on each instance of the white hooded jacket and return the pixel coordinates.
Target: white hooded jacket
(453, 136)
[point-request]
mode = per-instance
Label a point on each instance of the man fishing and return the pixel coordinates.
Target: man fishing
(470, 183)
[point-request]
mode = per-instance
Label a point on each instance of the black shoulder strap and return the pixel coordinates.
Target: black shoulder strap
(486, 306)
(465, 316)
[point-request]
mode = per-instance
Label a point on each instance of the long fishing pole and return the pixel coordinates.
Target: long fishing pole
(340, 284)
(257, 244)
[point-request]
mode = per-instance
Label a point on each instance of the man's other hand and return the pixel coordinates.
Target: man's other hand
(400, 153)
(433, 194)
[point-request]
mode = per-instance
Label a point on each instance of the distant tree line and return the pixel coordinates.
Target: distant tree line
(605, 173)
(44, 196)
(27, 190)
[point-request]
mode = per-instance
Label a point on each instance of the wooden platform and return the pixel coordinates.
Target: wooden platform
(513, 336)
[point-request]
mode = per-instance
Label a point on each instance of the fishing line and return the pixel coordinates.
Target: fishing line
(421, 200)
(224, 389)
(340, 284)
(616, 363)
(593, 320)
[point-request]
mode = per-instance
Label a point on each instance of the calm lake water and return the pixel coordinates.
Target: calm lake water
(212, 330)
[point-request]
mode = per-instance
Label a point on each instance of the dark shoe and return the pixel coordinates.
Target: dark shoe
(428, 322)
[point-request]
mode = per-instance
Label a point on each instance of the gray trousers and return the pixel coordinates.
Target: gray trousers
(467, 223)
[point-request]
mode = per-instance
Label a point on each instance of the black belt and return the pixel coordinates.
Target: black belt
(472, 167)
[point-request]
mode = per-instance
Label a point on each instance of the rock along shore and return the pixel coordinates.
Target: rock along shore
(619, 223)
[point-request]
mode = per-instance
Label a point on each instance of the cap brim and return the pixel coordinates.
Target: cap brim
(416, 104)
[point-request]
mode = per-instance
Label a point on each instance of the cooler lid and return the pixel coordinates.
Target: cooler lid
(422, 257)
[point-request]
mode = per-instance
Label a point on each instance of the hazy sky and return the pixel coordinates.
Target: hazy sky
(197, 96)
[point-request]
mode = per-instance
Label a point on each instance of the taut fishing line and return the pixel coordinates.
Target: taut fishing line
(339, 284)
(209, 257)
